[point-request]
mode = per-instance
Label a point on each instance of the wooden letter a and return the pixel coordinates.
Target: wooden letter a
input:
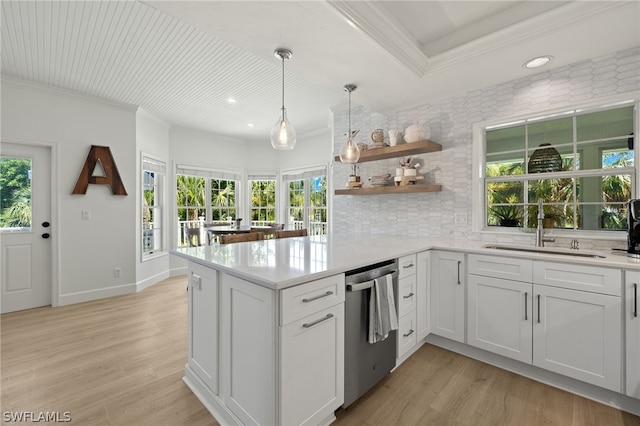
(102, 155)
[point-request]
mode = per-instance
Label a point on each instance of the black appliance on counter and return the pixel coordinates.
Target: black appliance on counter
(633, 223)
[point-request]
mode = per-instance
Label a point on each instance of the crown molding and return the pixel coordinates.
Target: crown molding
(525, 30)
(374, 21)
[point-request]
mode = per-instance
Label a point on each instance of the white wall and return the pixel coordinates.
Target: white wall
(152, 138)
(88, 250)
(432, 214)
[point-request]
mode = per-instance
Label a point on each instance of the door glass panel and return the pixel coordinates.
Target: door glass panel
(15, 194)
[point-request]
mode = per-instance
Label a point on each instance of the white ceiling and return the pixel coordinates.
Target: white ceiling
(182, 60)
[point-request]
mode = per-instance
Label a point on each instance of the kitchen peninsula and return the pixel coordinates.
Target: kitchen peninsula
(266, 320)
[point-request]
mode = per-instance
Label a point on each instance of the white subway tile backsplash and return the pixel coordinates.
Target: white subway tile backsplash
(450, 122)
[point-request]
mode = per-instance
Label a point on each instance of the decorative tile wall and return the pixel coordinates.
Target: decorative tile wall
(450, 121)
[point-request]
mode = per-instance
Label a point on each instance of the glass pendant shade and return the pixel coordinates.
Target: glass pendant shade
(350, 152)
(283, 135)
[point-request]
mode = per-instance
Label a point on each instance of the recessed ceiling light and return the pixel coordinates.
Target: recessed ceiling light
(250, 124)
(231, 100)
(538, 62)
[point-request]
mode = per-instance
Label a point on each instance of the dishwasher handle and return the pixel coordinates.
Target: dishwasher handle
(367, 284)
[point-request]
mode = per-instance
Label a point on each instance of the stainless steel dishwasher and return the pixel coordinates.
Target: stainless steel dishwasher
(365, 364)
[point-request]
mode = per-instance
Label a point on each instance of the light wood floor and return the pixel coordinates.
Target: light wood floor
(120, 361)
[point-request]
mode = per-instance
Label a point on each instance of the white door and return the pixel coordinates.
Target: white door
(25, 227)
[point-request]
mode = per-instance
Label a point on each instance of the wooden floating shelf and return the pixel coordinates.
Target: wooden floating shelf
(390, 190)
(401, 150)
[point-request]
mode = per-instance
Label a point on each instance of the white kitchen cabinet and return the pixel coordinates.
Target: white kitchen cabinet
(203, 325)
(406, 303)
(248, 356)
(423, 288)
(447, 295)
(312, 367)
(500, 316)
(632, 322)
(578, 334)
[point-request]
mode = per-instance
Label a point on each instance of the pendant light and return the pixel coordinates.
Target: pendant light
(350, 152)
(283, 135)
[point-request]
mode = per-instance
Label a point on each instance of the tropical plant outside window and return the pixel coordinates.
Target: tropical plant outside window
(263, 201)
(15, 193)
(202, 200)
(580, 163)
(308, 204)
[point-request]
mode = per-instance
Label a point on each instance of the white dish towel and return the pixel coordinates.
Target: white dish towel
(382, 309)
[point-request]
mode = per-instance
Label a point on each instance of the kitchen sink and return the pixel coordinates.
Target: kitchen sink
(548, 250)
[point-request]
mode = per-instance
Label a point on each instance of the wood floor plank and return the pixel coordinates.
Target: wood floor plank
(120, 361)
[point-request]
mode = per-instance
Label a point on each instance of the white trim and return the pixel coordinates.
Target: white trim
(478, 155)
(149, 281)
(101, 293)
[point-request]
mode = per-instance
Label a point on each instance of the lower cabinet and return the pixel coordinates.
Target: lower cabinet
(448, 295)
(632, 322)
(500, 316)
(570, 332)
(202, 346)
(578, 334)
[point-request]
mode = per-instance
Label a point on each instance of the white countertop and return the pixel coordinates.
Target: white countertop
(281, 263)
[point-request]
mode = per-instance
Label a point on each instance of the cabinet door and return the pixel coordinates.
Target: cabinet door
(447, 295)
(203, 325)
(632, 318)
(312, 367)
(499, 316)
(406, 334)
(423, 288)
(248, 342)
(578, 334)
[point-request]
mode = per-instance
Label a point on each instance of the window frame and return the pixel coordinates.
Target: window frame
(262, 176)
(479, 179)
(208, 174)
(152, 164)
(305, 174)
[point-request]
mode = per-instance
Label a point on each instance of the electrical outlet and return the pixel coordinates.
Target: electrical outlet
(117, 272)
(196, 281)
(86, 215)
(460, 218)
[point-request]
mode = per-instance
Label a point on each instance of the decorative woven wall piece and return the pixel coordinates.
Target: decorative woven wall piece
(545, 159)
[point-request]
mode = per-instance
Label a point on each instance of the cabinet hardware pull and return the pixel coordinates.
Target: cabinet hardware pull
(635, 299)
(329, 293)
(526, 295)
(311, 324)
(538, 309)
(408, 296)
(408, 266)
(459, 272)
(409, 333)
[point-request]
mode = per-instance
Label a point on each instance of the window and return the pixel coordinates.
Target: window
(15, 193)
(307, 200)
(580, 163)
(153, 172)
(202, 197)
(263, 199)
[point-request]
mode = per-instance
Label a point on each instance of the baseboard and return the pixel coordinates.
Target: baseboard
(174, 272)
(101, 293)
(586, 390)
(210, 400)
(148, 282)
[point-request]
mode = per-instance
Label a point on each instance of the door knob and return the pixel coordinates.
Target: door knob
(45, 235)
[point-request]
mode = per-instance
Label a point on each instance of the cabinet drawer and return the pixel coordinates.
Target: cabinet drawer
(406, 266)
(406, 295)
(501, 267)
(305, 299)
(578, 277)
(406, 333)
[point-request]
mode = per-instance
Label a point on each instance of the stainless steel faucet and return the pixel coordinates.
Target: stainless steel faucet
(540, 239)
